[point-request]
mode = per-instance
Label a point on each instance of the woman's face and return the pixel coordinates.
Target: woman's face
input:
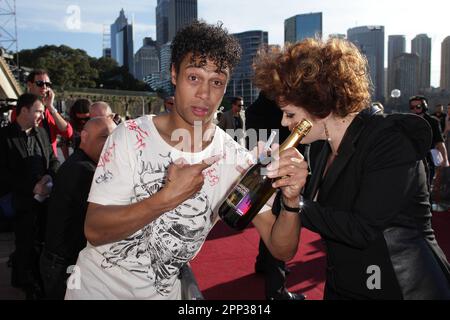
(292, 115)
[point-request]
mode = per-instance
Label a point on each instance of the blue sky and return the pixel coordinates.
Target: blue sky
(49, 21)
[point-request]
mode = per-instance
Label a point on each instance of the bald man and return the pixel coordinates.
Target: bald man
(100, 109)
(67, 208)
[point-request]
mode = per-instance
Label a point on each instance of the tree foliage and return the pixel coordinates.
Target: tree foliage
(74, 68)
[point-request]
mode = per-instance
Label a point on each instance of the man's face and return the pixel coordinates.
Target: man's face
(34, 115)
(416, 106)
(96, 137)
(237, 106)
(168, 103)
(40, 85)
(82, 118)
(199, 90)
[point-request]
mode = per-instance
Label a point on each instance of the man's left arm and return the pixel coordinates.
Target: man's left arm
(64, 128)
(280, 234)
(53, 164)
(440, 146)
(6, 177)
(42, 187)
(438, 141)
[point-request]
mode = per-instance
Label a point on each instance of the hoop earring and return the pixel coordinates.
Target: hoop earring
(327, 134)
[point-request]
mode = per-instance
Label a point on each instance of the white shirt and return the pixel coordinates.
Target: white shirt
(132, 167)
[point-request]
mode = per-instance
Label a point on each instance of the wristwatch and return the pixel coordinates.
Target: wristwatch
(53, 110)
(290, 209)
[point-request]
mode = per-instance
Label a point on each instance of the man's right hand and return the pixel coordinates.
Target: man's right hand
(184, 180)
(49, 99)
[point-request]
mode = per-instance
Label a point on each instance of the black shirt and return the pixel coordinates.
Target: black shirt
(68, 206)
(35, 161)
(442, 119)
(237, 122)
(435, 128)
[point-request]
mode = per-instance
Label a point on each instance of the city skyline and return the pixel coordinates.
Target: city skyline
(45, 22)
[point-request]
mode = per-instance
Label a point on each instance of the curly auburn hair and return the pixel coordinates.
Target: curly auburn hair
(321, 77)
(206, 41)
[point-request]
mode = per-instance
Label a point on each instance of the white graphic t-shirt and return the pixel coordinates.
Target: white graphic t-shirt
(133, 167)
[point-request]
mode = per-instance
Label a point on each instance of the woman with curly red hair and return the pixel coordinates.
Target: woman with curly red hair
(367, 195)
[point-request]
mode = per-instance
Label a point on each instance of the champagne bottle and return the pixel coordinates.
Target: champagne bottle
(254, 189)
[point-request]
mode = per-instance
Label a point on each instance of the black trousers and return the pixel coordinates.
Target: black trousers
(54, 275)
(274, 271)
(29, 230)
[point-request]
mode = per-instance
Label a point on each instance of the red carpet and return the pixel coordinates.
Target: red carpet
(224, 268)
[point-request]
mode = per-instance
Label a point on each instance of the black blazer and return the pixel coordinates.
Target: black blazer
(12, 161)
(372, 210)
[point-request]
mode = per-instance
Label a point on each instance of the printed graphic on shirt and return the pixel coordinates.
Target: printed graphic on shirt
(140, 134)
(169, 242)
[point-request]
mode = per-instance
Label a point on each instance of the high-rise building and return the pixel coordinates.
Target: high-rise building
(162, 22)
(146, 59)
(173, 15)
(106, 53)
(165, 57)
(396, 46)
(181, 13)
(421, 45)
(122, 42)
(406, 67)
(370, 40)
(445, 64)
(241, 82)
(302, 26)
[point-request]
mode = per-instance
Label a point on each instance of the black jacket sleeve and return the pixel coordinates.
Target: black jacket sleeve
(388, 178)
(53, 165)
(6, 173)
(53, 162)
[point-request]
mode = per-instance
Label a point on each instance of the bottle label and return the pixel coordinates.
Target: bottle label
(240, 200)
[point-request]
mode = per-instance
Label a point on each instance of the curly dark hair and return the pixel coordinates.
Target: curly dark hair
(206, 41)
(321, 77)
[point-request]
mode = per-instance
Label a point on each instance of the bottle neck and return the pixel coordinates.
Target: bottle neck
(291, 141)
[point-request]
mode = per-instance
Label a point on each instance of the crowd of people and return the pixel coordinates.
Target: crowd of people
(131, 205)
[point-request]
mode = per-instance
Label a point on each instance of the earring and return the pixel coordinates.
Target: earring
(327, 134)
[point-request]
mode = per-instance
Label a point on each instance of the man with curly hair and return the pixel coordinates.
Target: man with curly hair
(161, 180)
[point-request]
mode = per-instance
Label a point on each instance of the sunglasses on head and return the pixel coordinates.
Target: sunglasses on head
(41, 83)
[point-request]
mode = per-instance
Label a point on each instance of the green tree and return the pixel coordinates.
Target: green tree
(74, 68)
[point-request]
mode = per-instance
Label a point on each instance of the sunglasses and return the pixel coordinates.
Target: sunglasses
(41, 83)
(418, 107)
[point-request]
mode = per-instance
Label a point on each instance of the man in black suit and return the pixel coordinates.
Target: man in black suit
(419, 106)
(265, 114)
(231, 121)
(68, 205)
(28, 167)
